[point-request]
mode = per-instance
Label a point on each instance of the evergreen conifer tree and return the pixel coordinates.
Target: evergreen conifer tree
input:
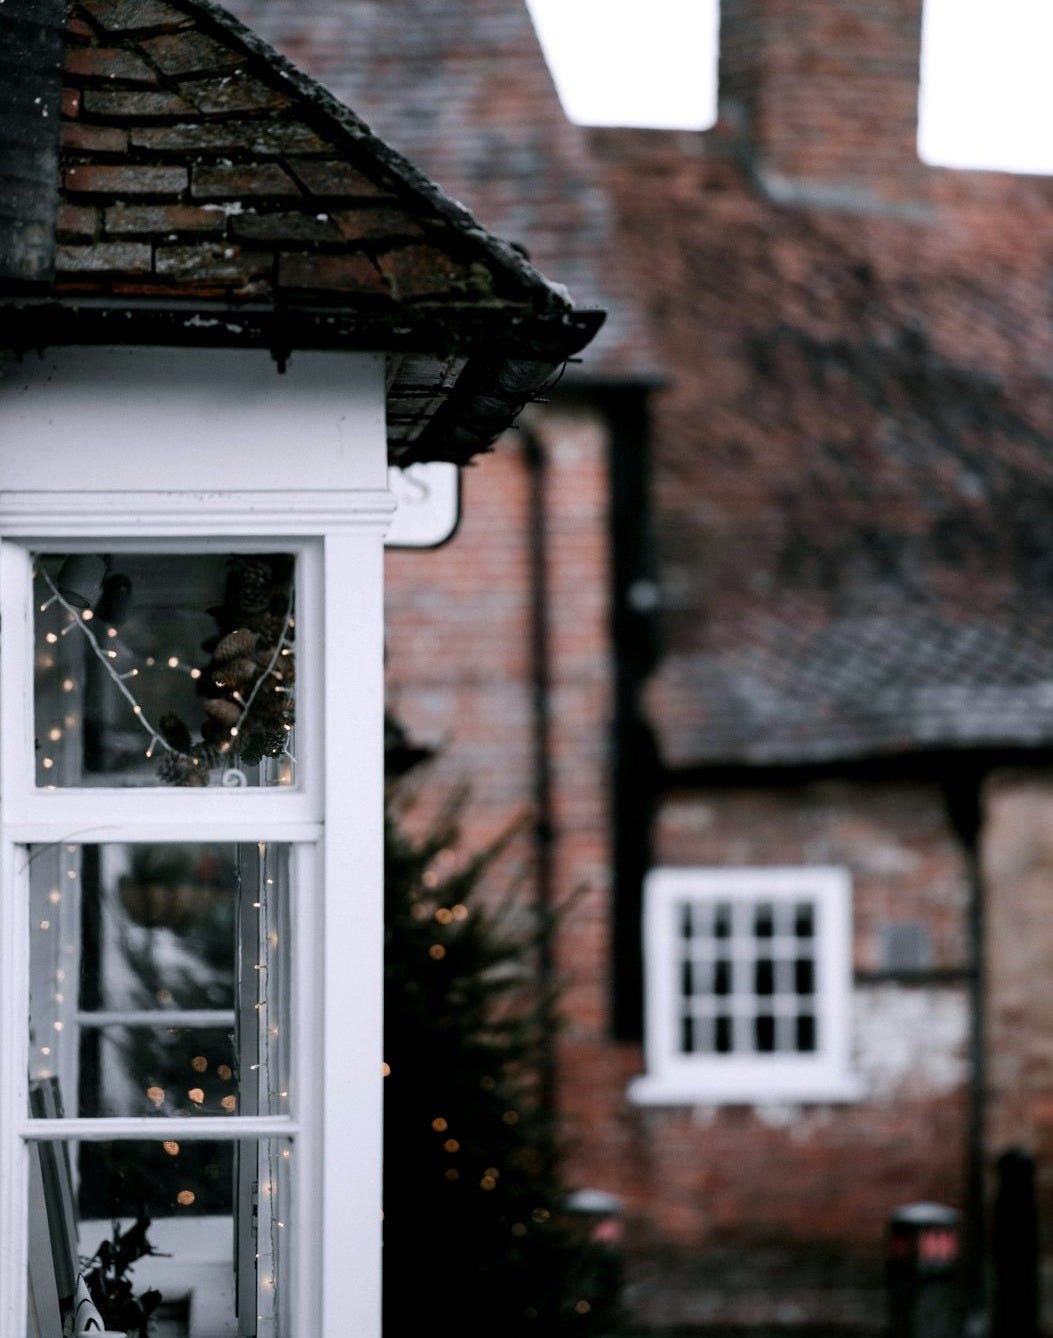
(477, 1239)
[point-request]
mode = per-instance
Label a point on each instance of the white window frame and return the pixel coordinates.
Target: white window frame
(336, 865)
(674, 1077)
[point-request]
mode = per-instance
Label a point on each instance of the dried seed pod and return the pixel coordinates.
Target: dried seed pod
(223, 711)
(240, 642)
(175, 732)
(216, 734)
(239, 671)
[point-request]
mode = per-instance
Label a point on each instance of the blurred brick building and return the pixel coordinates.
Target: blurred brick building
(775, 594)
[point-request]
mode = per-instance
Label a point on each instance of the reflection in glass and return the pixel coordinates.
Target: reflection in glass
(164, 669)
(159, 977)
(204, 1226)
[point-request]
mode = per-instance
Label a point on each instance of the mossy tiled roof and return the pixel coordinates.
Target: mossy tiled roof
(199, 170)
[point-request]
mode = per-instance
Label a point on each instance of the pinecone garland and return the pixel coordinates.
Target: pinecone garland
(253, 639)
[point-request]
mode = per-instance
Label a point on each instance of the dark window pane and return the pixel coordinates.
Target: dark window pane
(686, 982)
(764, 1031)
(723, 1037)
(157, 1071)
(687, 1035)
(764, 920)
(219, 1216)
(806, 1032)
(722, 977)
(164, 669)
(804, 976)
(804, 920)
(764, 977)
(722, 920)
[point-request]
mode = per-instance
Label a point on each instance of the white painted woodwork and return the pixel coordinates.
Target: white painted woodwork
(213, 450)
(209, 420)
(676, 1077)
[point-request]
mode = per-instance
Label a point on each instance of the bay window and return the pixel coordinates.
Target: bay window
(190, 818)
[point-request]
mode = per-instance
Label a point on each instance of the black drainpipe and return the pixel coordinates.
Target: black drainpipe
(541, 719)
(964, 809)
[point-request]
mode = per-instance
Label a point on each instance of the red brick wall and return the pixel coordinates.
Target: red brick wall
(459, 657)
(735, 1212)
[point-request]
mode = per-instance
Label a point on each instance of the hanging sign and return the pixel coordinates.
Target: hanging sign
(429, 505)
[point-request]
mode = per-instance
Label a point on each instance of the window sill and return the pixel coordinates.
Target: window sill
(654, 1090)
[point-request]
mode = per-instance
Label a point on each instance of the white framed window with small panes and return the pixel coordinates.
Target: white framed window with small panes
(190, 834)
(747, 986)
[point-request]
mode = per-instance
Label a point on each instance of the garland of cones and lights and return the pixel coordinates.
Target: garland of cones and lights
(247, 686)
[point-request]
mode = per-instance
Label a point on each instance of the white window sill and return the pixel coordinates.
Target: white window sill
(655, 1090)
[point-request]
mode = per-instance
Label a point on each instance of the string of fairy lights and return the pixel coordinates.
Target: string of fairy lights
(122, 666)
(260, 1060)
(271, 1091)
(56, 910)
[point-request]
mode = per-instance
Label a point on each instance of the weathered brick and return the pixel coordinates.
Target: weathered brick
(80, 137)
(136, 15)
(262, 138)
(76, 221)
(78, 30)
(126, 104)
(193, 137)
(131, 220)
(284, 227)
(71, 103)
(124, 179)
(422, 271)
(110, 63)
(234, 93)
(331, 273)
(276, 137)
(332, 179)
(104, 257)
(191, 53)
(210, 262)
(369, 223)
(235, 182)
(155, 288)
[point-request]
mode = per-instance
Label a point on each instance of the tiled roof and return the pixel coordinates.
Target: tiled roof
(463, 89)
(198, 167)
(866, 684)
(855, 482)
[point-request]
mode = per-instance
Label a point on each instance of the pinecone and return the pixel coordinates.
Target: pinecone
(235, 644)
(173, 768)
(223, 711)
(175, 732)
(253, 585)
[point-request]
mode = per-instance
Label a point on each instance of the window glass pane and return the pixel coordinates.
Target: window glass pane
(159, 977)
(204, 1228)
(764, 1033)
(162, 669)
(806, 1037)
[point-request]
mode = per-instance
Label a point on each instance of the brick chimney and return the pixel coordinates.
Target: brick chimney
(824, 98)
